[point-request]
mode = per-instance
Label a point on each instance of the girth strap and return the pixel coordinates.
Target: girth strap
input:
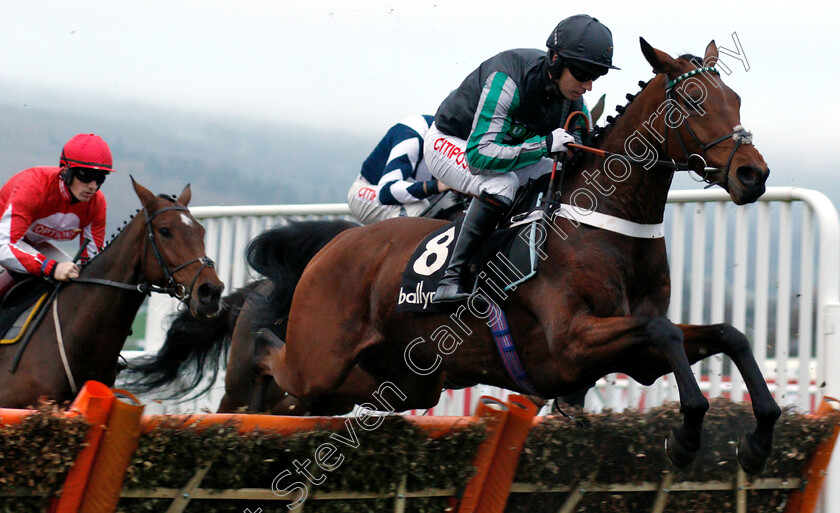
(504, 343)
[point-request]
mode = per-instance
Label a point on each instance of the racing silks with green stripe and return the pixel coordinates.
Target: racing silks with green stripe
(504, 109)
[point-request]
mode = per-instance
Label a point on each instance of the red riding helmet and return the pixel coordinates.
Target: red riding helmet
(87, 150)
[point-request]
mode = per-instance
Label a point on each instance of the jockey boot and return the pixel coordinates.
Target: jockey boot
(482, 217)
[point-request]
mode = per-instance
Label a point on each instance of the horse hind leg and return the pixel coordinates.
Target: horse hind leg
(700, 341)
(261, 397)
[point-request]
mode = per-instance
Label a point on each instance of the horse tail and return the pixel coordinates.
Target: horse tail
(193, 349)
(281, 254)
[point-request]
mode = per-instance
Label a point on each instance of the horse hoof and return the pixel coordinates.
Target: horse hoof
(751, 458)
(680, 455)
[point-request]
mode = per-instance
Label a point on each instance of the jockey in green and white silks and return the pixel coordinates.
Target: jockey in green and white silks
(501, 125)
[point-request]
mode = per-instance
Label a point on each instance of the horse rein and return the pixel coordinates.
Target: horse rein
(173, 288)
(694, 162)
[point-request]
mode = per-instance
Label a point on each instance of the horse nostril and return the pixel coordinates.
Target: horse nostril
(209, 294)
(750, 176)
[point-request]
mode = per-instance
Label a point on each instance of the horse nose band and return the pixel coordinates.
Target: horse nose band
(185, 293)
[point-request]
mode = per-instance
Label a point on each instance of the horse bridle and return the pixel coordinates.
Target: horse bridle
(172, 288)
(694, 162)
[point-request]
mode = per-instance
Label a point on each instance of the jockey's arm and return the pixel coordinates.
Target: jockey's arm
(94, 233)
(21, 258)
(485, 151)
(394, 186)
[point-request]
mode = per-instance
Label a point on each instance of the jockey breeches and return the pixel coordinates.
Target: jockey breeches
(446, 157)
(363, 199)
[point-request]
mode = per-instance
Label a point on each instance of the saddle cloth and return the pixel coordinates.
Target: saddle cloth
(19, 307)
(507, 258)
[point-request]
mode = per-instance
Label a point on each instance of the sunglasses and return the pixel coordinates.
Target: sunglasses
(86, 175)
(582, 75)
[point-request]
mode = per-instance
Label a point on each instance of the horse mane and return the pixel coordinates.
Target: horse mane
(168, 197)
(272, 255)
(598, 133)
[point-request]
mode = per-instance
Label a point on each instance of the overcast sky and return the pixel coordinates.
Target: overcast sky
(360, 65)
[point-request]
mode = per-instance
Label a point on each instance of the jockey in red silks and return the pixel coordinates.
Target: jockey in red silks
(45, 204)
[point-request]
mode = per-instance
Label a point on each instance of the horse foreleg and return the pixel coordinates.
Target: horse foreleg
(644, 348)
(259, 389)
(703, 341)
(604, 345)
(682, 443)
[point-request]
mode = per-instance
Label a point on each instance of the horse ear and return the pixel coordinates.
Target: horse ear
(186, 195)
(146, 196)
(598, 109)
(661, 61)
(711, 57)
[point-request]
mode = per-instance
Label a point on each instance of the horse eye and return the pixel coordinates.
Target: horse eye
(165, 232)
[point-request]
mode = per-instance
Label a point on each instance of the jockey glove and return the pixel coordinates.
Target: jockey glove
(556, 141)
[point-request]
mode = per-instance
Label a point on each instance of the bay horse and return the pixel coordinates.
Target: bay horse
(597, 305)
(82, 334)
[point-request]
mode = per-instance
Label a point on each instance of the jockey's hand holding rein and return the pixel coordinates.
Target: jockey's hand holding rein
(556, 141)
(66, 271)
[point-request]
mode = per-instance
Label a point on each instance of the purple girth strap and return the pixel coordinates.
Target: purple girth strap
(504, 343)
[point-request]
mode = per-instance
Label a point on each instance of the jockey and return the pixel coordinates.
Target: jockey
(395, 181)
(498, 129)
(44, 204)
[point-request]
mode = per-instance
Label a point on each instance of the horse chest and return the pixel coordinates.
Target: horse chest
(620, 286)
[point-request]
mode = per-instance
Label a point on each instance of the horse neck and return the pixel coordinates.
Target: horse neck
(122, 259)
(96, 319)
(607, 185)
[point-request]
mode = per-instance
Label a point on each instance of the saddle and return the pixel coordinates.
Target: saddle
(20, 306)
(448, 205)
(506, 259)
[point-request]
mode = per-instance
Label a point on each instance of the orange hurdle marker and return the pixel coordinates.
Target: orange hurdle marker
(805, 501)
(94, 403)
(496, 414)
(496, 489)
(122, 434)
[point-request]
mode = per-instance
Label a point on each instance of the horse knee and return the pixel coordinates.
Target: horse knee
(734, 340)
(664, 332)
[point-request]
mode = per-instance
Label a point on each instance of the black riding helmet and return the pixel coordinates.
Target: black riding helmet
(583, 41)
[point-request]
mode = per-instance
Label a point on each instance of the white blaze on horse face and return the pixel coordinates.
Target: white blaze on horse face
(187, 221)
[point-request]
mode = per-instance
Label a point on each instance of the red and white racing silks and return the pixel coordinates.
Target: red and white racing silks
(37, 207)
